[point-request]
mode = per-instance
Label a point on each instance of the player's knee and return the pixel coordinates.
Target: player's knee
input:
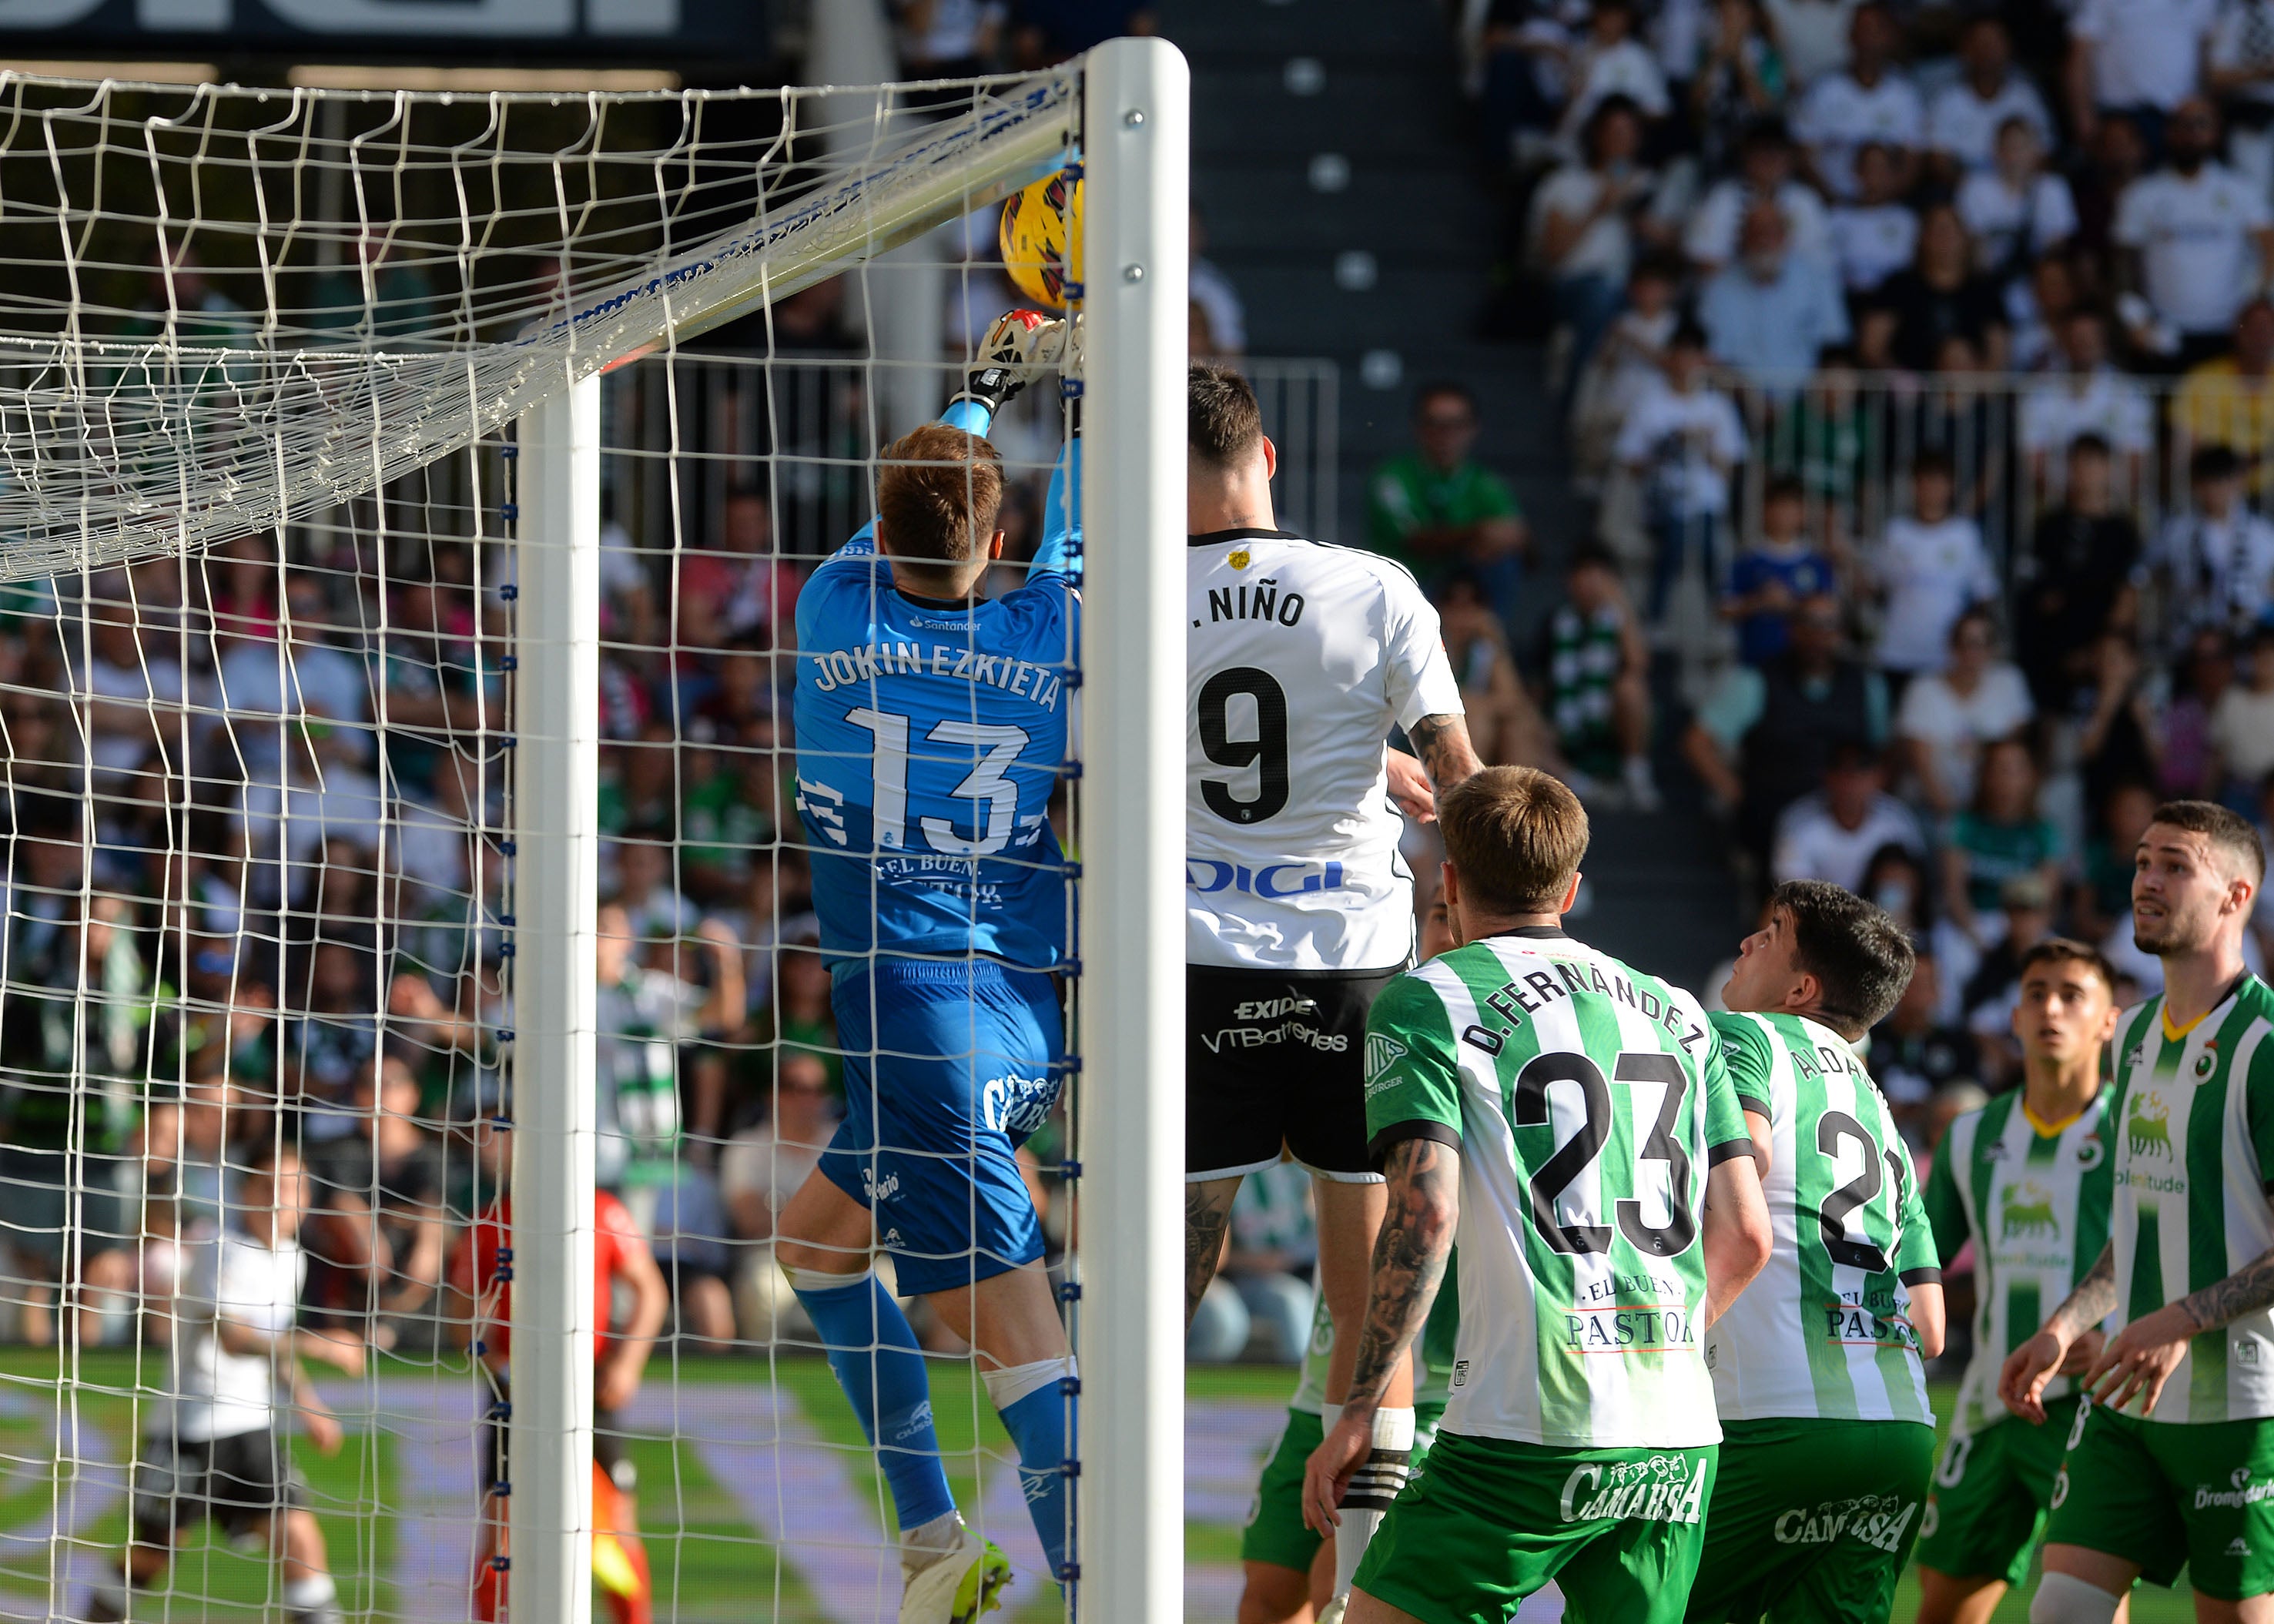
(2064, 1598)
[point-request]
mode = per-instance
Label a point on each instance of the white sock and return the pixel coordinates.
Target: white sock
(2064, 1598)
(1371, 1487)
(920, 1547)
(1007, 1386)
(306, 1595)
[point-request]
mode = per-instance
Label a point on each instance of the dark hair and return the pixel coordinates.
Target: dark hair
(1771, 132)
(2214, 463)
(1933, 462)
(1444, 387)
(1590, 555)
(1660, 265)
(2090, 444)
(1853, 755)
(1514, 836)
(1617, 105)
(1223, 422)
(2228, 831)
(1894, 852)
(1858, 954)
(937, 494)
(2068, 950)
(1784, 488)
(1689, 334)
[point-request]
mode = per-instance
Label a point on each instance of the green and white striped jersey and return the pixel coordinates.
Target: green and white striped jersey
(2037, 1206)
(1587, 1101)
(1824, 1332)
(2192, 1120)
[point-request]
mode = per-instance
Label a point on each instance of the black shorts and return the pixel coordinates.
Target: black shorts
(607, 1449)
(236, 1481)
(1276, 1057)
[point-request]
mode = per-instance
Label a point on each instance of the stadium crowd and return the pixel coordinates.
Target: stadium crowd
(1918, 366)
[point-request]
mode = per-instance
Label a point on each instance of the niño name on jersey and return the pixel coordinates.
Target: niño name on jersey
(2192, 1121)
(1302, 658)
(2037, 1206)
(929, 737)
(1824, 1331)
(1587, 1101)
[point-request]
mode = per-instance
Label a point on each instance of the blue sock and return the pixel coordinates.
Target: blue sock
(874, 1352)
(1036, 1421)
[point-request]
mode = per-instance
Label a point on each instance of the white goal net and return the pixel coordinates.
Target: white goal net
(406, 505)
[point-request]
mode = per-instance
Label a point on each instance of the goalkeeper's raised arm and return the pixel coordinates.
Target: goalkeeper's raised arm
(932, 728)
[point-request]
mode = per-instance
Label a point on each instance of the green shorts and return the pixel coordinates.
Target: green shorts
(2168, 1495)
(1486, 1522)
(1275, 1533)
(1987, 1505)
(1812, 1520)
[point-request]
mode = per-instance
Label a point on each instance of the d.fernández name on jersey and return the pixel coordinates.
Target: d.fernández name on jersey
(1587, 1101)
(2193, 1124)
(1301, 657)
(929, 739)
(1824, 1332)
(2035, 1206)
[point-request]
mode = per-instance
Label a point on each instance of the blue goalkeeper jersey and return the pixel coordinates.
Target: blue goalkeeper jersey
(929, 737)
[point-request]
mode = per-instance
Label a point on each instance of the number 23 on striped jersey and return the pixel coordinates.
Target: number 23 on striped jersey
(1575, 1155)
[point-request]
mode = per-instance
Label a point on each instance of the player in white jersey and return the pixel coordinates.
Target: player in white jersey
(1570, 1117)
(219, 1451)
(1819, 1372)
(2026, 1178)
(2172, 1465)
(1301, 658)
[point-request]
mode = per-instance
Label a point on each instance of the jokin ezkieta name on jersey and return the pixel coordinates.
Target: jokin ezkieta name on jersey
(839, 668)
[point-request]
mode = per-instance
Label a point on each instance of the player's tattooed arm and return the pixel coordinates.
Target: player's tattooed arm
(1408, 1262)
(2093, 1300)
(2223, 1302)
(1443, 744)
(1208, 1209)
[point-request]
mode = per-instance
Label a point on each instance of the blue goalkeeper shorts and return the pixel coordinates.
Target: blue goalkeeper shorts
(948, 1069)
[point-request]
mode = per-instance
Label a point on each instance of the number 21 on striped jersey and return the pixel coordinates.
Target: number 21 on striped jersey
(989, 782)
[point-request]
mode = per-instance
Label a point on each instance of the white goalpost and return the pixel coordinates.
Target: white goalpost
(458, 446)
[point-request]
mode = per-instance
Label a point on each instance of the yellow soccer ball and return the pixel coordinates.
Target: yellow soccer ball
(1041, 235)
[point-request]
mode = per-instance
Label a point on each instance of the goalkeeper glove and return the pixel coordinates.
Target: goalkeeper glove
(1019, 348)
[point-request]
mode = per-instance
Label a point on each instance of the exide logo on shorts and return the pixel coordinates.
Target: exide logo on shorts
(1209, 875)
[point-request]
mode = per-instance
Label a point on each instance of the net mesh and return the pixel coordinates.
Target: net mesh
(256, 721)
(227, 308)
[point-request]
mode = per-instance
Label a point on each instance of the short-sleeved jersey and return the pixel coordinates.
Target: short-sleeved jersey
(2036, 1208)
(1587, 1101)
(2193, 1123)
(231, 1277)
(929, 737)
(476, 1266)
(1301, 657)
(1824, 1332)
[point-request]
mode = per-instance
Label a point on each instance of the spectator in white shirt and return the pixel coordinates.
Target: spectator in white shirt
(2242, 726)
(1772, 312)
(2216, 564)
(1583, 225)
(1877, 234)
(1611, 62)
(1765, 160)
(1833, 834)
(2239, 70)
(2017, 210)
(2089, 396)
(1963, 119)
(2139, 57)
(1813, 36)
(2200, 241)
(1682, 440)
(1946, 717)
(1873, 101)
(1931, 568)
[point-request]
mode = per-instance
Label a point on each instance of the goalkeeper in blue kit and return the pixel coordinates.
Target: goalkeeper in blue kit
(932, 729)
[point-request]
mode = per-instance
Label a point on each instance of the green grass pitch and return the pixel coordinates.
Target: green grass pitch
(721, 1465)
